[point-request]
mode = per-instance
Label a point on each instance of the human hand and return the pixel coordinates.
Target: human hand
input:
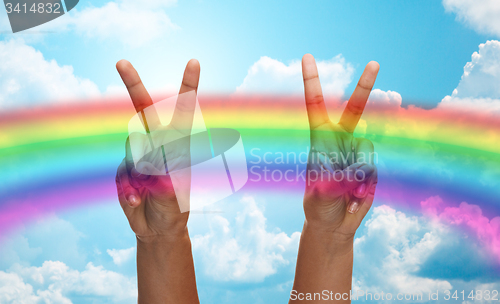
(341, 174)
(148, 199)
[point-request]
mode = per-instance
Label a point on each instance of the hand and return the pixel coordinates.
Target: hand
(341, 174)
(149, 201)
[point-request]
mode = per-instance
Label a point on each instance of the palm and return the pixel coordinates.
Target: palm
(333, 192)
(333, 140)
(158, 191)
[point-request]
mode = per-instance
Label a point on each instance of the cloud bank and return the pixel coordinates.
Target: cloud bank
(392, 250)
(480, 15)
(411, 254)
(470, 217)
(132, 23)
(27, 78)
(478, 89)
(247, 251)
(54, 282)
(121, 256)
(270, 76)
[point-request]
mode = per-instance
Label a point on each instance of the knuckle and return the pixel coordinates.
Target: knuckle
(310, 77)
(316, 99)
(355, 108)
(365, 84)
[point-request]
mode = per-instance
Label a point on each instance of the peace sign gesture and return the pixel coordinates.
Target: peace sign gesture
(165, 269)
(341, 174)
(147, 194)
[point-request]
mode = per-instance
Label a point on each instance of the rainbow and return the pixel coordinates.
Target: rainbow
(62, 157)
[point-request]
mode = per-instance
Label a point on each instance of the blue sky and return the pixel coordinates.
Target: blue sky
(417, 41)
(422, 47)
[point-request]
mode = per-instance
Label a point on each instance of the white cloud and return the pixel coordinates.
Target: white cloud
(246, 252)
(16, 249)
(399, 253)
(53, 238)
(271, 76)
(393, 249)
(132, 23)
(470, 216)
(478, 89)
(479, 105)
(121, 256)
(27, 78)
(481, 15)
(383, 99)
(482, 73)
(14, 290)
(54, 281)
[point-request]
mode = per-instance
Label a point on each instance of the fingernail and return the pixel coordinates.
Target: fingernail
(132, 200)
(353, 207)
(361, 189)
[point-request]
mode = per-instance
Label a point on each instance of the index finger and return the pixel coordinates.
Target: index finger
(138, 93)
(356, 105)
(315, 103)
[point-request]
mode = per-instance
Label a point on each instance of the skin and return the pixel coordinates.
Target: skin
(334, 208)
(335, 202)
(165, 269)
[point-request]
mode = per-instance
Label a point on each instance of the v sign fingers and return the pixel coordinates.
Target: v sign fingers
(148, 176)
(340, 168)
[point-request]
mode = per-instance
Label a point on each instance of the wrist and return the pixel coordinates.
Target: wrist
(172, 236)
(160, 226)
(333, 240)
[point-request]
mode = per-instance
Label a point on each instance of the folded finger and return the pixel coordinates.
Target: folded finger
(130, 195)
(364, 154)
